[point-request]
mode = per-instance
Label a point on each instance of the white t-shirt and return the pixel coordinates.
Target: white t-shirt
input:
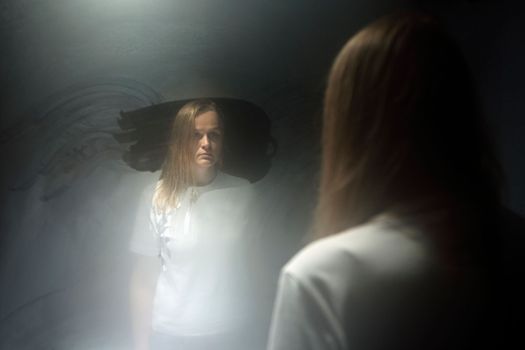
(201, 244)
(377, 286)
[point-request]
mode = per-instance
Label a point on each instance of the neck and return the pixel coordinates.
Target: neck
(204, 176)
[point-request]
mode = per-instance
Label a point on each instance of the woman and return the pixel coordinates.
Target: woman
(193, 221)
(409, 190)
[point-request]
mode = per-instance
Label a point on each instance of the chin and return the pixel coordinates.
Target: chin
(206, 165)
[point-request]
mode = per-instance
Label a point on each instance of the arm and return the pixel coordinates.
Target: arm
(301, 320)
(141, 293)
(144, 245)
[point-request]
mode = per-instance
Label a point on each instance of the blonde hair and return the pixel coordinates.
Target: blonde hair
(177, 171)
(400, 124)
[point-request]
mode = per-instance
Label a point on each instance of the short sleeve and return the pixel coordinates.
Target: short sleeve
(300, 321)
(144, 239)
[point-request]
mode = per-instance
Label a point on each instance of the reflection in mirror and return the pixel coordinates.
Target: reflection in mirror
(190, 284)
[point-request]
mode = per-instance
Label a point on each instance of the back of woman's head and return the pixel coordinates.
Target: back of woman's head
(401, 123)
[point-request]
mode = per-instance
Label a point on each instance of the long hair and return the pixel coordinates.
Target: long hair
(177, 170)
(400, 124)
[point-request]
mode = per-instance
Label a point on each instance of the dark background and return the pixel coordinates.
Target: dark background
(68, 67)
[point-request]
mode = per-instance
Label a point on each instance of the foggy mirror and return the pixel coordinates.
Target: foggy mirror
(89, 93)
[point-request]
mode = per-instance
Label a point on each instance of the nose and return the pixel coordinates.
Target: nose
(205, 142)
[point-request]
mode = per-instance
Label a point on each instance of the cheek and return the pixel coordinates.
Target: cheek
(218, 147)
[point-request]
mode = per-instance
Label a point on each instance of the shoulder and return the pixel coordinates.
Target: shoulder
(148, 192)
(227, 196)
(224, 180)
(377, 250)
(232, 188)
(361, 273)
(150, 189)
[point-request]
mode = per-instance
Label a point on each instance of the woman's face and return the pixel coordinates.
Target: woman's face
(207, 138)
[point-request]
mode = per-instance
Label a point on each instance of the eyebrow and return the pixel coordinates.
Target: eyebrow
(213, 129)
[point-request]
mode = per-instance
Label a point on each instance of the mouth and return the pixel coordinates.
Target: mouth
(206, 155)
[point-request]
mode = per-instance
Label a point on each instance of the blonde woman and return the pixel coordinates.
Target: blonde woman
(186, 290)
(406, 226)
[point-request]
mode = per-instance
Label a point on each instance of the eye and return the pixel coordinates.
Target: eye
(214, 136)
(197, 135)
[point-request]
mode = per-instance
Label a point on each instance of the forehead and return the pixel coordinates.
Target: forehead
(207, 120)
